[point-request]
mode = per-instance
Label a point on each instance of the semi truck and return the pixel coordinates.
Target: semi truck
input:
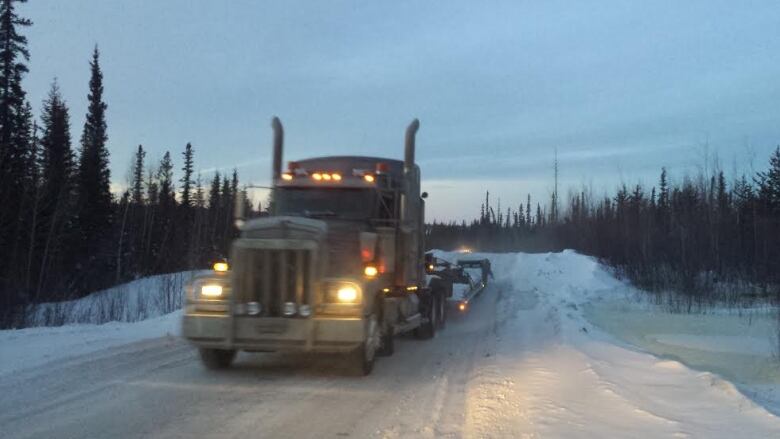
(338, 266)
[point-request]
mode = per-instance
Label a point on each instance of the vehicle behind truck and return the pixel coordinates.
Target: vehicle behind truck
(337, 267)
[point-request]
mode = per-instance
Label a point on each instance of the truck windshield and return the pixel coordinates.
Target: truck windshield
(324, 203)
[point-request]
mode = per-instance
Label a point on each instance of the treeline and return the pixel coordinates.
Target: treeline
(689, 236)
(63, 233)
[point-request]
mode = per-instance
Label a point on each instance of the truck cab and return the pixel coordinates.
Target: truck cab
(337, 266)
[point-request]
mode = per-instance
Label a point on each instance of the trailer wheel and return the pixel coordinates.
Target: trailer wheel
(215, 359)
(428, 329)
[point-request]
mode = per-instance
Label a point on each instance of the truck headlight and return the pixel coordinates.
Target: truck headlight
(342, 292)
(347, 294)
(211, 291)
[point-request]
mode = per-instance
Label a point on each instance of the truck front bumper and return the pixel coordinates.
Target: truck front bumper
(267, 334)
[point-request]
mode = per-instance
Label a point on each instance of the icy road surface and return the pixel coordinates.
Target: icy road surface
(522, 363)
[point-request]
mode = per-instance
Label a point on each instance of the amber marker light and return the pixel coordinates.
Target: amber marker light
(317, 176)
(369, 178)
(462, 306)
(221, 266)
(326, 177)
(336, 177)
(287, 177)
(370, 271)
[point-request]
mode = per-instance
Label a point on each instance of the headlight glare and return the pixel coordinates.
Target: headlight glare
(347, 294)
(211, 291)
(342, 292)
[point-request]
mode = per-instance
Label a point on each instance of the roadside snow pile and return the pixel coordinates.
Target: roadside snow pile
(550, 372)
(140, 299)
(30, 347)
(138, 310)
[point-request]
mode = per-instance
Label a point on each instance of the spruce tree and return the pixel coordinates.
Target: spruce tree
(215, 202)
(528, 210)
(138, 176)
(214, 199)
(199, 199)
(14, 147)
(769, 183)
(165, 178)
(56, 192)
(93, 183)
(13, 55)
(186, 179)
(57, 155)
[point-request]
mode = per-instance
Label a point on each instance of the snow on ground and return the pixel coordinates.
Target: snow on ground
(738, 346)
(555, 347)
(137, 310)
(31, 347)
(140, 299)
(554, 374)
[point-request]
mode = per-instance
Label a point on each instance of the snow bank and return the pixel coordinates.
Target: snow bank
(30, 347)
(552, 373)
(138, 310)
(739, 346)
(141, 299)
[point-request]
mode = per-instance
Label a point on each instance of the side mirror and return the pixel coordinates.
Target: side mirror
(239, 214)
(424, 195)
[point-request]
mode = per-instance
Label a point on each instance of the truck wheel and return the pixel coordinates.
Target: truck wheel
(217, 358)
(428, 329)
(387, 344)
(387, 340)
(364, 356)
(442, 311)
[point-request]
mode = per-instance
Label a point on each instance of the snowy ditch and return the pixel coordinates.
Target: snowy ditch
(739, 345)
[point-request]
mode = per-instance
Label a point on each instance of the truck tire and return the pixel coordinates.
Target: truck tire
(387, 346)
(427, 330)
(442, 311)
(364, 356)
(215, 359)
(387, 340)
(441, 290)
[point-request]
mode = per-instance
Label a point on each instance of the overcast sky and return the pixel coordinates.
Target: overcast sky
(619, 88)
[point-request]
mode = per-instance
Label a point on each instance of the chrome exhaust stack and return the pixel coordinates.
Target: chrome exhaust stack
(411, 133)
(276, 124)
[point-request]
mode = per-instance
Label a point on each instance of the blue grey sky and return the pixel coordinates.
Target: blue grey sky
(619, 88)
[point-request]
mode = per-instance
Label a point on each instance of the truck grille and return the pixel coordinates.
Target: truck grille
(272, 278)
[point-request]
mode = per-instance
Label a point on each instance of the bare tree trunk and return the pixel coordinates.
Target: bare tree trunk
(47, 247)
(119, 247)
(31, 248)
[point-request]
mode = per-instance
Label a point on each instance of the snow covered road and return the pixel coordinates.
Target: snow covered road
(523, 363)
